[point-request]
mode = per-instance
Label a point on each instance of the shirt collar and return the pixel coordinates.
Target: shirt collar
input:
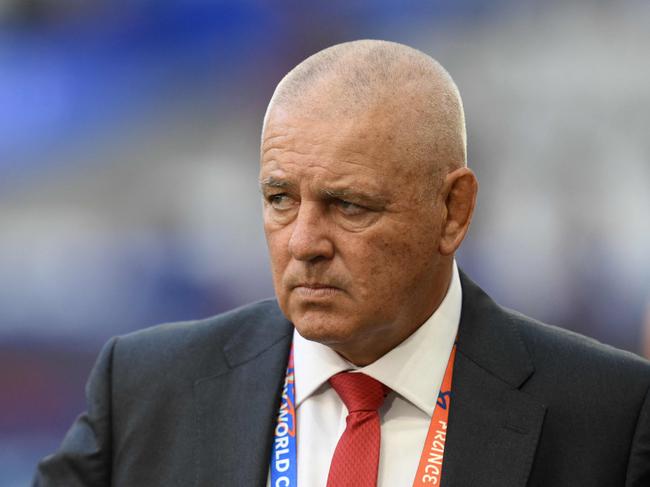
(414, 369)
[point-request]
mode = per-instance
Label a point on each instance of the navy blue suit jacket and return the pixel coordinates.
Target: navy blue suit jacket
(194, 404)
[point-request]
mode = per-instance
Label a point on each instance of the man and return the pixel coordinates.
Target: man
(367, 197)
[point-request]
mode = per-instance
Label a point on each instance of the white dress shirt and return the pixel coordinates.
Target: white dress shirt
(413, 371)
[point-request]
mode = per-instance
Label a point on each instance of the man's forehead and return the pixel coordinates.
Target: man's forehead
(339, 182)
(376, 119)
(325, 184)
(337, 164)
(355, 139)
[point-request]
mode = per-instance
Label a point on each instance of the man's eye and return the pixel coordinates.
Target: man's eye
(350, 209)
(280, 201)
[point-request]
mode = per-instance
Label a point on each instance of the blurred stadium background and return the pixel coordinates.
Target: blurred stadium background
(128, 160)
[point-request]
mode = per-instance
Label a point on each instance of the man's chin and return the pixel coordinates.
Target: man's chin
(324, 329)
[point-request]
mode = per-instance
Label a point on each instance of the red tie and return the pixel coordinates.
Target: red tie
(356, 457)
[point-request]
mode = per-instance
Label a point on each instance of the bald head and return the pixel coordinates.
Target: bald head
(406, 88)
(366, 197)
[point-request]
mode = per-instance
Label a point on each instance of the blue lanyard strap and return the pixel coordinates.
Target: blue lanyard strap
(283, 455)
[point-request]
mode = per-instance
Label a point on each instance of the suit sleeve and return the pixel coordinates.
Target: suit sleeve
(84, 457)
(638, 470)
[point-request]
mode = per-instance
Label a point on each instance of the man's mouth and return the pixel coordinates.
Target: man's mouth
(316, 290)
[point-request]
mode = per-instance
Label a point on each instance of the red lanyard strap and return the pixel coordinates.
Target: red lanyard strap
(430, 468)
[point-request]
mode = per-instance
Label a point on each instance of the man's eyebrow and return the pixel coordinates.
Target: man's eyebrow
(347, 193)
(272, 182)
(340, 193)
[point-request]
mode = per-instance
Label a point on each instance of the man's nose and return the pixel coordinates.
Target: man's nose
(310, 237)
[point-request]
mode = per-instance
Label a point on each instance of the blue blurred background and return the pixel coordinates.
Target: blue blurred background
(128, 162)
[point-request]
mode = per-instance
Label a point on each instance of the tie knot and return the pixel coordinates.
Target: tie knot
(359, 392)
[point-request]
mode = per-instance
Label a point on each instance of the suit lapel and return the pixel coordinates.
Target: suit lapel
(493, 430)
(493, 426)
(236, 410)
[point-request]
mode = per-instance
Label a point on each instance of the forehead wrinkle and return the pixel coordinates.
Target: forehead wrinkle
(269, 138)
(278, 134)
(287, 151)
(291, 129)
(335, 184)
(329, 164)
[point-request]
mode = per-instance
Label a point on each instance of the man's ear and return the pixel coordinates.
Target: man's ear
(460, 187)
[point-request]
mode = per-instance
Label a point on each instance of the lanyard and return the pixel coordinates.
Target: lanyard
(283, 456)
(430, 468)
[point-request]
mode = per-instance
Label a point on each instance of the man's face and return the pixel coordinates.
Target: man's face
(352, 228)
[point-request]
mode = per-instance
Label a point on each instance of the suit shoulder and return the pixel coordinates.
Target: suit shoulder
(198, 344)
(563, 348)
(222, 324)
